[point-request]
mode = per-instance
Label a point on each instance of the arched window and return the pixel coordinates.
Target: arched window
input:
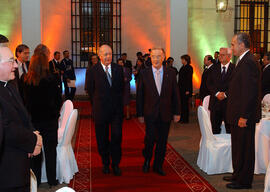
(94, 22)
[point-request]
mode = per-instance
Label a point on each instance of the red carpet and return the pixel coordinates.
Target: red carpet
(180, 175)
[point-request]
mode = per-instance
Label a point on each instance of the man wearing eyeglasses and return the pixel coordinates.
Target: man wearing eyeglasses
(19, 140)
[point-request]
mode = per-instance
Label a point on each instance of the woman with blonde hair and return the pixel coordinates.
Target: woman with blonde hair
(43, 102)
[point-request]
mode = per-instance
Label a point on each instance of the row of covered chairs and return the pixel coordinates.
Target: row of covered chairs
(66, 165)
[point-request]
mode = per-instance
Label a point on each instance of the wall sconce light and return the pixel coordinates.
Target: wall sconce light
(221, 5)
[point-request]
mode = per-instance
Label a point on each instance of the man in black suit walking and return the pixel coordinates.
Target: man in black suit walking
(218, 83)
(266, 75)
(68, 76)
(105, 88)
(57, 69)
(20, 140)
(208, 63)
(158, 103)
(243, 112)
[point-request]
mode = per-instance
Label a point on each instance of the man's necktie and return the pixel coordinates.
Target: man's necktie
(108, 75)
(24, 71)
(223, 73)
(158, 81)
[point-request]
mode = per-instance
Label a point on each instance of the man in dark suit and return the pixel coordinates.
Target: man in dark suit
(68, 76)
(218, 83)
(157, 104)
(20, 140)
(127, 63)
(105, 88)
(216, 56)
(57, 69)
(266, 75)
(208, 63)
(22, 53)
(243, 112)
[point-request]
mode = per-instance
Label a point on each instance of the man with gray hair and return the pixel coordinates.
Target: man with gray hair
(19, 140)
(243, 112)
(218, 83)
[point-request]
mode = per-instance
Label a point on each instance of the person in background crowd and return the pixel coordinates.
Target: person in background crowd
(185, 87)
(266, 75)
(43, 102)
(20, 141)
(105, 88)
(127, 63)
(169, 63)
(126, 94)
(22, 53)
(208, 63)
(56, 69)
(216, 60)
(218, 83)
(147, 60)
(92, 61)
(68, 76)
(157, 104)
(139, 66)
(243, 112)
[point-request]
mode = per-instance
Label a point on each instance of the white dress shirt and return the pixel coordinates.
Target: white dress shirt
(109, 69)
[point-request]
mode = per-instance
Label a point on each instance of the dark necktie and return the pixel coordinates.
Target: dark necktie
(108, 75)
(24, 72)
(223, 73)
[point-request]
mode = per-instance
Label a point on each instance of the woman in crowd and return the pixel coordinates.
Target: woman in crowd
(126, 94)
(43, 102)
(185, 87)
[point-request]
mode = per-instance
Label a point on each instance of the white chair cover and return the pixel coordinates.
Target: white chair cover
(215, 150)
(66, 165)
(262, 146)
(266, 98)
(65, 112)
(65, 189)
(33, 181)
(267, 180)
(205, 105)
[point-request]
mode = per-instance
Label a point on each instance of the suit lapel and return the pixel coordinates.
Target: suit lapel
(103, 74)
(164, 80)
(152, 81)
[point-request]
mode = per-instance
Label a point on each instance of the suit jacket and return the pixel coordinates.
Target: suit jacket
(204, 91)
(266, 81)
(244, 91)
(55, 67)
(107, 102)
(128, 64)
(18, 139)
(215, 84)
(185, 79)
(69, 72)
(150, 104)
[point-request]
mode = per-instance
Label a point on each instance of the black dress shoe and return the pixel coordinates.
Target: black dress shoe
(116, 171)
(237, 186)
(229, 178)
(106, 169)
(146, 166)
(159, 171)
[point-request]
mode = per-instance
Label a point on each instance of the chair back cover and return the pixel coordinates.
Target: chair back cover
(205, 104)
(266, 99)
(70, 127)
(205, 125)
(65, 189)
(65, 112)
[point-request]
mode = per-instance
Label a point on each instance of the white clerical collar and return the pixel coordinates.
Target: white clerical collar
(266, 66)
(243, 54)
(5, 83)
(209, 66)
